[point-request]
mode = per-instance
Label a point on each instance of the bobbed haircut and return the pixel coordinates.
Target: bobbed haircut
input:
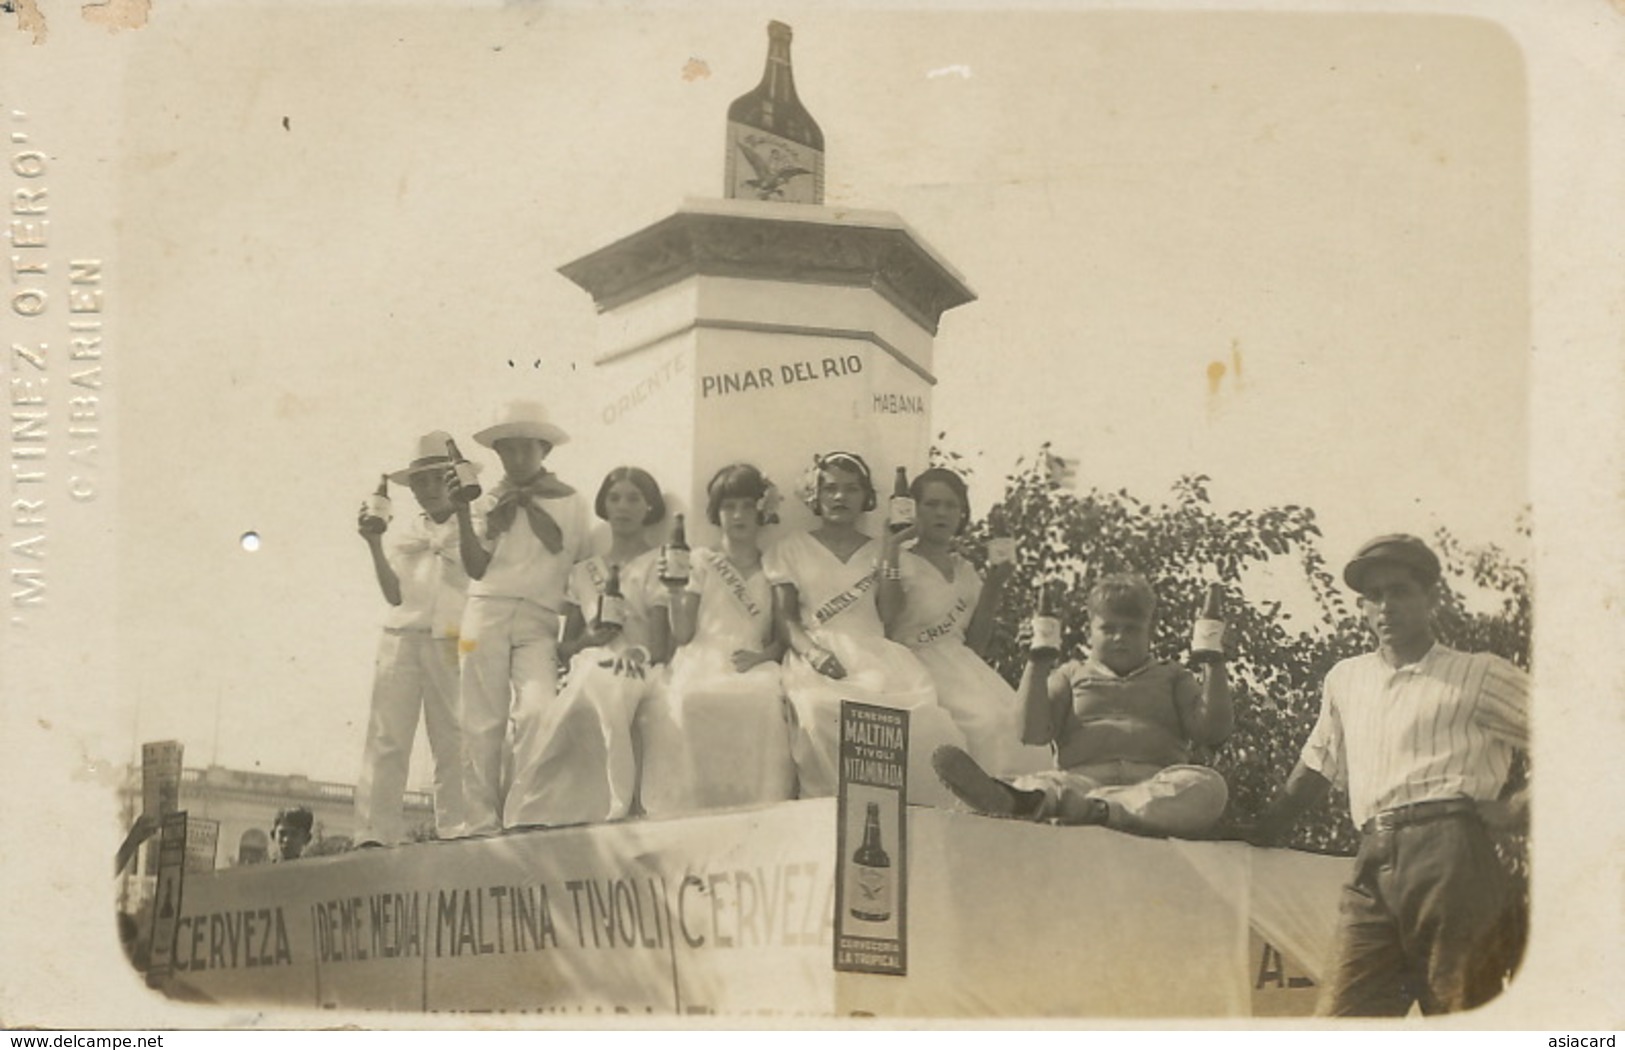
(1124, 593)
(955, 483)
(735, 481)
(643, 481)
(848, 461)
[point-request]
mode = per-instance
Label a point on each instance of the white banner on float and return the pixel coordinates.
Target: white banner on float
(733, 914)
(721, 914)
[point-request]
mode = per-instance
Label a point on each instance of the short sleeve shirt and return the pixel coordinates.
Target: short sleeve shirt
(428, 564)
(640, 585)
(936, 610)
(1145, 697)
(521, 566)
(1445, 726)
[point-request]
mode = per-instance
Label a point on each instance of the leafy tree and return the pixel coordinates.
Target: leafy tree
(1277, 658)
(329, 846)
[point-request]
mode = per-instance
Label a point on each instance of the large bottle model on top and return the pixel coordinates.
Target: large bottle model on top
(775, 148)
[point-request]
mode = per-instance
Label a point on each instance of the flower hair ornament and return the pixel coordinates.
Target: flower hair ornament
(807, 484)
(767, 504)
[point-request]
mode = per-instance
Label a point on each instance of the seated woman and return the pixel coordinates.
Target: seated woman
(719, 734)
(580, 766)
(943, 611)
(824, 583)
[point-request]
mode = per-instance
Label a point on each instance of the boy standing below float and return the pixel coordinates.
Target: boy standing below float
(1422, 737)
(1123, 726)
(422, 578)
(517, 545)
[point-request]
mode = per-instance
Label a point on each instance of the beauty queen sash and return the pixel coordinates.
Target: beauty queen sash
(735, 584)
(845, 600)
(943, 628)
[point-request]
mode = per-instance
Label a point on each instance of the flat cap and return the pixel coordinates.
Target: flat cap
(1407, 552)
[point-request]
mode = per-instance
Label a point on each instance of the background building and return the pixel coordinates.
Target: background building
(244, 804)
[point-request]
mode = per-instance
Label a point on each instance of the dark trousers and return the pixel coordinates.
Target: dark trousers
(1429, 918)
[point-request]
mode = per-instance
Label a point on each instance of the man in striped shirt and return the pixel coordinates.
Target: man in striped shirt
(1422, 739)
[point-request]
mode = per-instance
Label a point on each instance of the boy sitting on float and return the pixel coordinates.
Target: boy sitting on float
(1123, 727)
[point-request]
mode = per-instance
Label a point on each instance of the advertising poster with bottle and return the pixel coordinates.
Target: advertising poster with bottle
(871, 877)
(166, 907)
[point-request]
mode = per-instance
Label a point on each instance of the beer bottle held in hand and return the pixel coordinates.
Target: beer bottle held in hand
(1046, 643)
(674, 556)
(900, 512)
(775, 148)
(467, 487)
(1207, 634)
(869, 879)
(612, 603)
(1001, 548)
(375, 516)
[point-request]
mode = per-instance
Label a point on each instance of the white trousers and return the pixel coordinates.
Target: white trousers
(414, 673)
(1173, 800)
(509, 670)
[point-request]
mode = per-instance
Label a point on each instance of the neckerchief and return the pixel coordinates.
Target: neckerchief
(510, 497)
(425, 541)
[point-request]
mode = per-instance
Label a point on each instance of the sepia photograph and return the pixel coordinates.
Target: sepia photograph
(675, 516)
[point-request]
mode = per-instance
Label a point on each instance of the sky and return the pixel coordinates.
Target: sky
(1286, 251)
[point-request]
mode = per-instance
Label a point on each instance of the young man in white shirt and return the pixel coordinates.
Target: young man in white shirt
(421, 576)
(517, 544)
(1422, 737)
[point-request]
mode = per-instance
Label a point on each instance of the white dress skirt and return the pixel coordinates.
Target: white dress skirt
(580, 765)
(936, 613)
(716, 737)
(837, 609)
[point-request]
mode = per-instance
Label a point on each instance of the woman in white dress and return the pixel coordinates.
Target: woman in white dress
(824, 585)
(719, 734)
(586, 766)
(940, 608)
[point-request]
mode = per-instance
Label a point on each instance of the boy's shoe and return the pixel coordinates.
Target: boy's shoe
(983, 793)
(1096, 811)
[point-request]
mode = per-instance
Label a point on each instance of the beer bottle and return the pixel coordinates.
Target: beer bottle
(1046, 643)
(869, 880)
(1207, 634)
(375, 515)
(674, 556)
(775, 148)
(611, 604)
(900, 515)
(1001, 549)
(467, 487)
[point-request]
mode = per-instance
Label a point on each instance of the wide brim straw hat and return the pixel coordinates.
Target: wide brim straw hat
(526, 419)
(429, 454)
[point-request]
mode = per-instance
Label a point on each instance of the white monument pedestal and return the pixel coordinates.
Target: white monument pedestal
(739, 330)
